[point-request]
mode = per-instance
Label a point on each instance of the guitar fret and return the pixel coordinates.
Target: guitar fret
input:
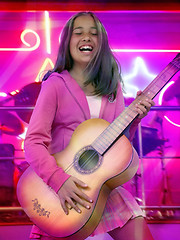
(99, 149)
(128, 115)
(103, 142)
(117, 125)
(131, 114)
(132, 109)
(101, 146)
(114, 132)
(175, 62)
(151, 92)
(117, 129)
(157, 84)
(106, 138)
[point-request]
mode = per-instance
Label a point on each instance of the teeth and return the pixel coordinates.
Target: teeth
(86, 48)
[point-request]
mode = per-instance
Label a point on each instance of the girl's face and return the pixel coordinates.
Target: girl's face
(84, 41)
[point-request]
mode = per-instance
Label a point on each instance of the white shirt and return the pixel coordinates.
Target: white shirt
(94, 103)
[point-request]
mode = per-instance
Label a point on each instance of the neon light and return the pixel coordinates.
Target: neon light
(145, 50)
(23, 135)
(43, 68)
(163, 91)
(2, 94)
(175, 124)
(160, 102)
(139, 68)
(47, 28)
(14, 92)
(30, 48)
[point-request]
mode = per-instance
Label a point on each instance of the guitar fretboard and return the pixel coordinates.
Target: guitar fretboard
(116, 128)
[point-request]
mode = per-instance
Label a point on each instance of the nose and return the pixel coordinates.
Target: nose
(86, 37)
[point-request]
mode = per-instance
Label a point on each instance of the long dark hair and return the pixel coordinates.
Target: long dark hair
(103, 71)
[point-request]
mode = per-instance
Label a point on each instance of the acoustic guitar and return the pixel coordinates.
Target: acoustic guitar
(99, 155)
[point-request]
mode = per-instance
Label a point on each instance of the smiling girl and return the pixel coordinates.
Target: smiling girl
(85, 83)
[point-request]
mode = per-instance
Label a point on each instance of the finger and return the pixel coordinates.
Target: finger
(141, 113)
(81, 193)
(80, 183)
(141, 107)
(141, 110)
(79, 198)
(147, 103)
(74, 205)
(68, 206)
(64, 207)
(145, 106)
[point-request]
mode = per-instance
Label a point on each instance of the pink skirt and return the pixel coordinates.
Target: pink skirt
(120, 207)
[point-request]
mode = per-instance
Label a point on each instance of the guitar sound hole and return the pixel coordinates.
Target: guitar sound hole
(88, 160)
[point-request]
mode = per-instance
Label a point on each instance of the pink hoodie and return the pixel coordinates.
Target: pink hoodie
(60, 108)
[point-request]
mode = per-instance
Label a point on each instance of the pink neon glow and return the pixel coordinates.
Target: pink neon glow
(14, 92)
(47, 28)
(43, 68)
(163, 91)
(173, 123)
(30, 48)
(2, 94)
(139, 68)
(160, 102)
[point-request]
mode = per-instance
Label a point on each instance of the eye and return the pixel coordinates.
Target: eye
(77, 32)
(94, 32)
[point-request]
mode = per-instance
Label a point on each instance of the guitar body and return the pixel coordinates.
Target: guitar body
(102, 173)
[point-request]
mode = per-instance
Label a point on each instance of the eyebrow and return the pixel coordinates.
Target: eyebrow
(82, 28)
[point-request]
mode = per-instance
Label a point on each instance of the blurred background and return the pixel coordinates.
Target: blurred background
(144, 36)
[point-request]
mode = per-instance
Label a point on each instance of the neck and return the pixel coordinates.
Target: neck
(78, 75)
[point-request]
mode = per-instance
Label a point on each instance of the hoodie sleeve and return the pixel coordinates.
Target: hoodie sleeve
(38, 136)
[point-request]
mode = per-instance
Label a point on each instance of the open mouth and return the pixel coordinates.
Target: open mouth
(86, 49)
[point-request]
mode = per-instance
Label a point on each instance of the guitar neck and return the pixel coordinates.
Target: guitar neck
(116, 128)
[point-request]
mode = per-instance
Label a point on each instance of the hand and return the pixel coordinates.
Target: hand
(143, 106)
(70, 194)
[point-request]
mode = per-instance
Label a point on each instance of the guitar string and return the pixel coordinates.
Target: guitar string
(85, 162)
(159, 77)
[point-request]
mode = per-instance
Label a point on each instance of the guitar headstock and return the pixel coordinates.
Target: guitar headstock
(176, 60)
